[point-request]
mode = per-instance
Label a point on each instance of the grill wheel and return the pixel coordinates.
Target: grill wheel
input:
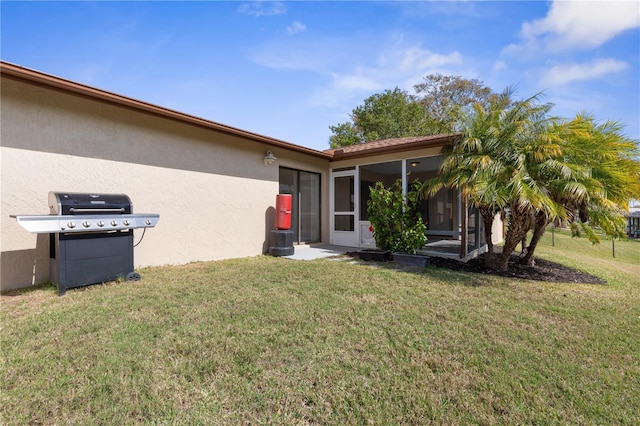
(133, 276)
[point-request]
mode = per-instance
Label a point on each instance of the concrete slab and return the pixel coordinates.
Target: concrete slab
(312, 252)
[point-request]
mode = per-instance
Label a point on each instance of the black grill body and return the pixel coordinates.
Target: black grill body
(83, 258)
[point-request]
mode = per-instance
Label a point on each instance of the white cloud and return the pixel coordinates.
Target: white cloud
(403, 67)
(579, 24)
(566, 73)
(293, 53)
(263, 8)
(358, 66)
(415, 58)
(296, 27)
(499, 66)
(356, 81)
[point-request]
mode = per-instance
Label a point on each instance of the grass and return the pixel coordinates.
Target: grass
(268, 340)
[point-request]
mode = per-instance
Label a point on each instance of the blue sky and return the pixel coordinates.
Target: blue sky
(289, 70)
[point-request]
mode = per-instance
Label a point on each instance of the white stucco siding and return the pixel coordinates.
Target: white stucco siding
(45, 120)
(212, 190)
(202, 216)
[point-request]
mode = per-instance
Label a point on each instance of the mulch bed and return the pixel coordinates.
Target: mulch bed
(543, 270)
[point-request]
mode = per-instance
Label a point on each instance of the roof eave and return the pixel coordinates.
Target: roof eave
(69, 86)
(339, 155)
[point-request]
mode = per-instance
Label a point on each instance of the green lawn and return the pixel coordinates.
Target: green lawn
(269, 340)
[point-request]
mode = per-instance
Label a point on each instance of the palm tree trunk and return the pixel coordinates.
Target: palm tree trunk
(542, 220)
(487, 218)
(516, 231)
(510, 243)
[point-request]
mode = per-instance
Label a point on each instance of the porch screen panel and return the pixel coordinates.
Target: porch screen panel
(344, 193)
(441, 209)
(473, 229)
(344, 222)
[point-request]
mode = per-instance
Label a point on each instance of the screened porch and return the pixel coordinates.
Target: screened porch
(453, 229)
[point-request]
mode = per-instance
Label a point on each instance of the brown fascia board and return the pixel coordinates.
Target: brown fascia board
(50, 81)
(390, 147)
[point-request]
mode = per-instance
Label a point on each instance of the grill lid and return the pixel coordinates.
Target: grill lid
(77, 203)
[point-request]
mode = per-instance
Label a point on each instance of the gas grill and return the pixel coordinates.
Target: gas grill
(90, 237)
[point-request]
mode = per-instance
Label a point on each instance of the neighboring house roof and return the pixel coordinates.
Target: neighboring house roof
(386, 146)
(633, 213)
(37, 77)
(354, 151)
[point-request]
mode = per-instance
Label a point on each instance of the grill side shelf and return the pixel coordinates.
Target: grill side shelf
(46, 224)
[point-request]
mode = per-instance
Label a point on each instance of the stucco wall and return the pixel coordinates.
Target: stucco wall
(214, 195)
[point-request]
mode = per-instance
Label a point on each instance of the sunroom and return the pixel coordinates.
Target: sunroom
(454, 230)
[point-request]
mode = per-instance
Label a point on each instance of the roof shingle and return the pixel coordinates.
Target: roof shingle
(392, 145)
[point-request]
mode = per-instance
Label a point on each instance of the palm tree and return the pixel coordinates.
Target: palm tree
(517, 160)
(493, 167)
(593, 179)
(529, 148)
(472, 164)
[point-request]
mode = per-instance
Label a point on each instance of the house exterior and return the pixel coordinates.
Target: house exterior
(209, 182)
(633, 219)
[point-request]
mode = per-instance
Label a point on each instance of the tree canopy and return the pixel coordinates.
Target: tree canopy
(391, 114)
(445, 97)
(435, 109)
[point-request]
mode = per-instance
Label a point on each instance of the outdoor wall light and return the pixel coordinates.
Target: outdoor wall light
(414, 163)
(269, 158)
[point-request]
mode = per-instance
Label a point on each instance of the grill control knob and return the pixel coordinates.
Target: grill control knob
(71, 225)
(100, 223)
(86, 224)
(114, 223)
(126, 222)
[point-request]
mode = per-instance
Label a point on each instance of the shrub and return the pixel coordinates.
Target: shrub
(397, 223)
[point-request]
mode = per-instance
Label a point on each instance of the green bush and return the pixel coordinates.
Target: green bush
(397, 224)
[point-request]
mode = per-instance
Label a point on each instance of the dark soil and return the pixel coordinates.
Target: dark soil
(543, 270)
